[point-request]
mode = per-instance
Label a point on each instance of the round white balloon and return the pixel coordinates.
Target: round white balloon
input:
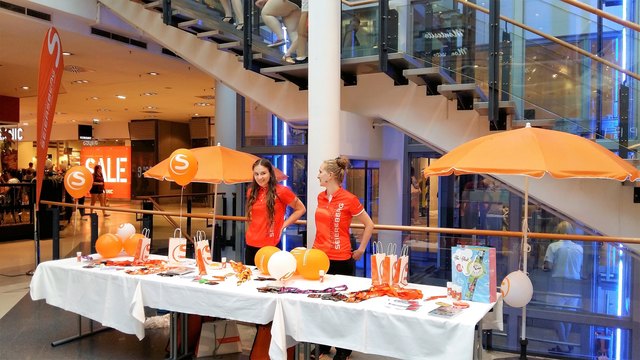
(517, 289)
(125, 230)
(282, 265)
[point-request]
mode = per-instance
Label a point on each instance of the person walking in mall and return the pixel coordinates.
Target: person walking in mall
(336, 208)
(267, 203)
(97, 189)
(564, 259)
(285, 9)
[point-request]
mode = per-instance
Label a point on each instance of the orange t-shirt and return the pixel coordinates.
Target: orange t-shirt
(260, 232)
(333, 218)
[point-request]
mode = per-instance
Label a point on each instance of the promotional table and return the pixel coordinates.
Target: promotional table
(117, 300)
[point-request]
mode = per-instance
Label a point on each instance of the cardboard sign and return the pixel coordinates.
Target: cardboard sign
(473, 268)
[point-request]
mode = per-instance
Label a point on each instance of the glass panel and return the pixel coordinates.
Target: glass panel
(359, 29)
(262, 128)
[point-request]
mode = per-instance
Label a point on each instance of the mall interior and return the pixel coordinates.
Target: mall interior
(390, 84)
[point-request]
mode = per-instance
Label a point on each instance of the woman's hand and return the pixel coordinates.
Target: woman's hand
(357, 254)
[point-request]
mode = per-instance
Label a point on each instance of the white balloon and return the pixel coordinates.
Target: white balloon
(125, 230)
(517, 289)
(282, 265)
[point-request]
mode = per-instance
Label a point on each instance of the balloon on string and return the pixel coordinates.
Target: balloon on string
(298, 253)
(183, 166)
(262, 258)
(125, 230)
(130, 245)
(78, 181)
(108, 245)
(311, 262)
(516, 289)
(282, 265)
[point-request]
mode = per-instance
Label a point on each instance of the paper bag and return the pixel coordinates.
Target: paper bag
(474, 270)
(177, 248)
(377, 258)
(388, 264)
(218, 338)
(144, 247)
(401, 268)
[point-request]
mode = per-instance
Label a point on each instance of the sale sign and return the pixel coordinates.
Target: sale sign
(116, 167)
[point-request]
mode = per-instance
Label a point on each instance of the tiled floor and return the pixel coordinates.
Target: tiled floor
(27, 328)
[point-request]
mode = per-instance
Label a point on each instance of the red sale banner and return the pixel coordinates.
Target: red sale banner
(116, 167)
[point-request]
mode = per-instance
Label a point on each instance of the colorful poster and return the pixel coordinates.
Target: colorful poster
(50, 74)
(473, 268)
(116, 168)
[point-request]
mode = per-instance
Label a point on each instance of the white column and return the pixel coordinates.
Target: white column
(324, 97)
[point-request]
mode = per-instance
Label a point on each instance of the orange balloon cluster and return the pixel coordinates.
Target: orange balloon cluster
(183, 166)
(311, 262)
(130, 245)
(108, 246)
(298, 253)
(262, 258)
(77, 181)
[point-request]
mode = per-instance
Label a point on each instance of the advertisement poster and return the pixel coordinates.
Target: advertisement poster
(116, 168)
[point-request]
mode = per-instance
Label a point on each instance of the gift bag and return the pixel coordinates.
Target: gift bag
(177, 248)
(261, 343)
(218, 338)
(377, 258)
(144, 247)
(388, 264)
(203, 252)
(401, 268)
(474, 271)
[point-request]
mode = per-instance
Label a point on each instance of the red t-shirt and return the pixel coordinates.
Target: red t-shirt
(260, 232)
(333, 218)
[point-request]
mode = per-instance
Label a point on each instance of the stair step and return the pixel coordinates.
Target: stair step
(424, 76)
(206, 34)
(189, 23)
(229, 45)
(483, 107)
(451, 91)
(153, 4)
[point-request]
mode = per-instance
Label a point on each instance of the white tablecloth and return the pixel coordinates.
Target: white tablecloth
(116, 300)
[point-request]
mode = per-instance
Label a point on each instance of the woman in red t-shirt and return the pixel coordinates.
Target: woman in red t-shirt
(267, 202)
(336, 208)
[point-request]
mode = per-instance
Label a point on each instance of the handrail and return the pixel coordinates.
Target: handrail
(358, 3)
(426, 229)
(600, 13)
(554, 39)
(169, 218)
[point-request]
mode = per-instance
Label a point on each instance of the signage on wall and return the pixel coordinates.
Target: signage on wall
(116, 167)
(16, 134)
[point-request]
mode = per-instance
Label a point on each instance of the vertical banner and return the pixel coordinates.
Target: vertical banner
(50, 74)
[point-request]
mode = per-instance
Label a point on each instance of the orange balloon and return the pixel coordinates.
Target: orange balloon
(78, 181)
(310, 264)
(130, 245)
(298, 253)
(183, 166)
(262, 258)
(108, 245)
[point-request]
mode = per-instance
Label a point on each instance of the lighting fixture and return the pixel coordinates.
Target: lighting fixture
(121, 97)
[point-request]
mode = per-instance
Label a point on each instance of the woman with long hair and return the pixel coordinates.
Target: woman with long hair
(97, 189)
(267, 202)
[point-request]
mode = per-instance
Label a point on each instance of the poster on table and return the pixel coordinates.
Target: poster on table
(473, 269)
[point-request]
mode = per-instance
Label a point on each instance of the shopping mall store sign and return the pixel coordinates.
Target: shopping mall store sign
(116, 167)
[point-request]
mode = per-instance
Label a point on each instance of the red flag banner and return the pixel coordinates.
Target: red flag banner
(50, 74)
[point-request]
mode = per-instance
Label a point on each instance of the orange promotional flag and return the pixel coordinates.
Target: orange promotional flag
(50, 74)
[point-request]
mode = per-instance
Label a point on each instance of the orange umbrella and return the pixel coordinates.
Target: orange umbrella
(216, 165)
(533, 152)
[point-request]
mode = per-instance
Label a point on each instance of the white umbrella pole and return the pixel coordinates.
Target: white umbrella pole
(213, 226)
(525, 250)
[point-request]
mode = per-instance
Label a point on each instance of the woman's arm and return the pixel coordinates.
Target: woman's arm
(364, 218)
(298, 210)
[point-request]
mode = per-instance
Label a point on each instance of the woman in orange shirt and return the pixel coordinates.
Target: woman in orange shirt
(336, 208)
(267, 202)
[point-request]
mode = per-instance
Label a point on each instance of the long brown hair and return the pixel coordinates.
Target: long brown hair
(271, 190)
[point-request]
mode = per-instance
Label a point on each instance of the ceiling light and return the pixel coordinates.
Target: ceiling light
(149, 94)
(73, 120)
(94, 98)
(66, 53)
(96, 120)
(153, 73)
(25, 123)
(202, 104)
(196, 114)
(121, 97)
(80, 81)
(150, 107)
(24, 87)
